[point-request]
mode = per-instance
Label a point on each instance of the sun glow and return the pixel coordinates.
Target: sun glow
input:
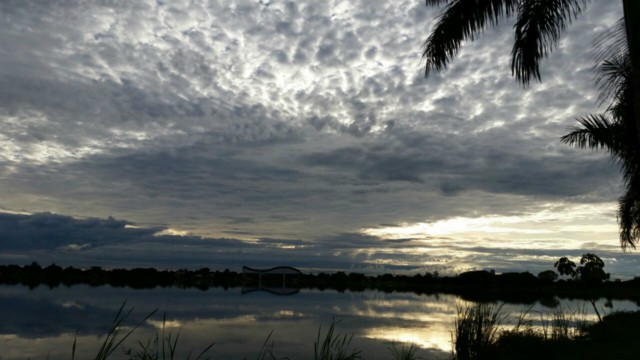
(571, 224)
(166, 324)
(172, 232)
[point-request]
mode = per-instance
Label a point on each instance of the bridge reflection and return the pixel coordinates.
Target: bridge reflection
(273, 280)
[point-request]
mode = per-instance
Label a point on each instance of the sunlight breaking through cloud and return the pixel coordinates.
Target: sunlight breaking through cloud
(547, 223)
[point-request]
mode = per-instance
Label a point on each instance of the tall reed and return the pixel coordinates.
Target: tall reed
(163, 346)
(404, 352)
(115, 336)
(476, 330)
(333, 346)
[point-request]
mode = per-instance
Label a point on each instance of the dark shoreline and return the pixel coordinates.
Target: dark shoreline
(478, 286)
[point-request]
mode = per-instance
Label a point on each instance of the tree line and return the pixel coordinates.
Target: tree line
(584, 281)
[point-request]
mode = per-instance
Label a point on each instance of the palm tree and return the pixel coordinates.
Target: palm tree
(539, 25)
(614, 131)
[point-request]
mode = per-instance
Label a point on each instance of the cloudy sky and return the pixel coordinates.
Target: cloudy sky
(228, 132)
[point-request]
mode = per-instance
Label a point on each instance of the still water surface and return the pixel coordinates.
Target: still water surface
(42, 323)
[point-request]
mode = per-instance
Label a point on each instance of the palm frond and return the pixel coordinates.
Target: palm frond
(537, 31)
(611, 41)
(612, 77)
(596, 132)
(617, 136)
(629, 218)
(461, 20)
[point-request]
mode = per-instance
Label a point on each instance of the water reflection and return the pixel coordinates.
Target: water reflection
(434, 338)
(42, 323)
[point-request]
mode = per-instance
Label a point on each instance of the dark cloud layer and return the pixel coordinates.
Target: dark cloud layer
(47, 231)
(50, 238)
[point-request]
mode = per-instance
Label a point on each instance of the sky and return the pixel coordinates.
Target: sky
(226, 133)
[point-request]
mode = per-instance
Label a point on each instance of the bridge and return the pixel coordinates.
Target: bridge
(278, 271)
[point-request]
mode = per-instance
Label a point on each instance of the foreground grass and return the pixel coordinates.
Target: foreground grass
(163, 346)
(329, 345)
(477, 336)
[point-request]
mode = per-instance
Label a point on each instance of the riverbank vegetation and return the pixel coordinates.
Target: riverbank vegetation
(479, 334)
(586, 281)
(480, 331)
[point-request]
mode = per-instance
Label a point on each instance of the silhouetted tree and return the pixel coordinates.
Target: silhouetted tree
(565, 266)
(591, 270)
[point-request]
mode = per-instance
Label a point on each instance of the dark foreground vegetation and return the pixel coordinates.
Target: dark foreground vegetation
(329, 344)
(478, 286)
(478, 334)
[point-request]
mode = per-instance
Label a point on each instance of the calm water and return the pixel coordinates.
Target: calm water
(43, 323)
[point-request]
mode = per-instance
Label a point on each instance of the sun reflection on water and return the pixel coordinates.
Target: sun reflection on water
(434, 338)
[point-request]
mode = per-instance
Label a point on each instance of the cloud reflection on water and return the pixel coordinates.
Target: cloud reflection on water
(42, 322)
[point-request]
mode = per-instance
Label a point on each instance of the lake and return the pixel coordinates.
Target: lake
(42, 323)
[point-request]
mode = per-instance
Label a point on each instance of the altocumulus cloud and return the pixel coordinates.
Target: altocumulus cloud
(279, 120)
